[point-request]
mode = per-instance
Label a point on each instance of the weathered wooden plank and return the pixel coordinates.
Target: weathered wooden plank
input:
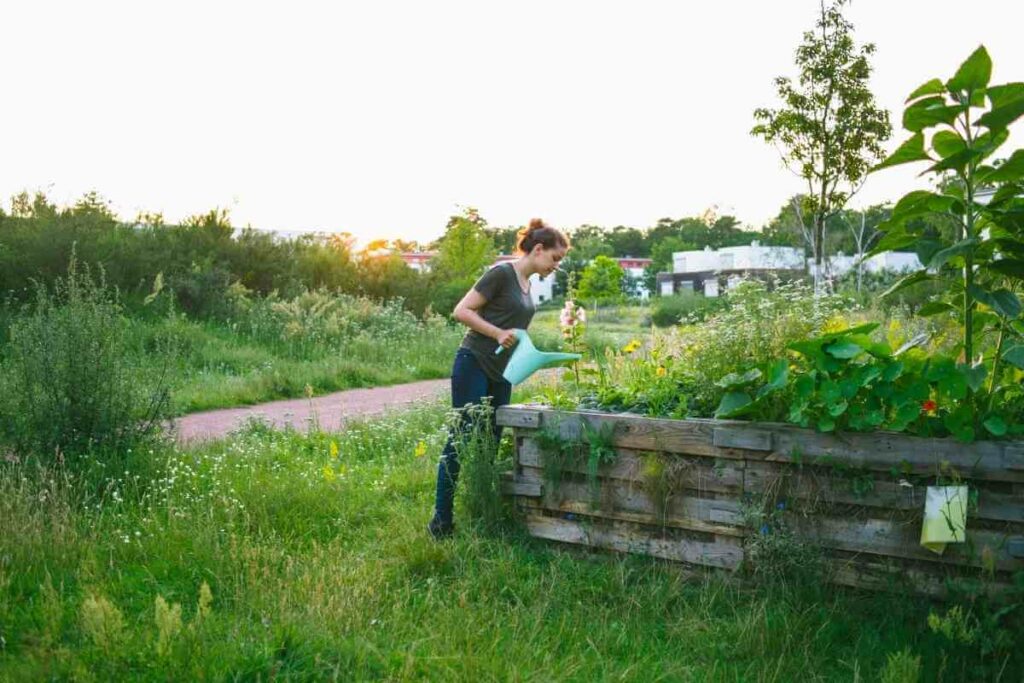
(993, 460)
(518, 416)
(747, 438)
(635, 505)
(640, 433)
(887, 538)
(884, 451)
(865, 571)
(701, 473)
(821, 485)
(625, 537)
(529, 489)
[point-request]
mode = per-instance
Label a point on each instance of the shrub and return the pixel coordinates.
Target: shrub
(481, 463)
(689, 306)
(755, 330)
(72, 383)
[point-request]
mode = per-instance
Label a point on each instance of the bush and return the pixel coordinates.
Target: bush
(689, 306)
(481, 464)
(316, 323)
(71, 383)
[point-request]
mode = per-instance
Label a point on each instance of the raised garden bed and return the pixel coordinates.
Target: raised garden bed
(699, 491)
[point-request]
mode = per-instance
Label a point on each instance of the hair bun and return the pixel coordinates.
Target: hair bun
(536, 224)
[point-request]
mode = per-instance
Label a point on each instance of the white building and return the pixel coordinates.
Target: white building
(702, 270)
(892, 261)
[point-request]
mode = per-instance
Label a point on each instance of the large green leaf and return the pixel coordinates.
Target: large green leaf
(735, 379)
(907, 281)
(1015, 355)
(995, 425)
(932, 87)
(733, 403)
(947, 143)
(1007, 106)
(911, 150)
(1008, 266)
(1001, 95)
(929, 112)
(926, 248)
(1007, 303)
(961, 247)
(778, 375)
(1002, 301)
(973, 74)
(934, 308)
(974, 375)
(892, 240)
(955, 162)
(844, 349)
(1012, 169)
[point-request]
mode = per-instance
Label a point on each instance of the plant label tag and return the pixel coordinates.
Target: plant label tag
(945, 517)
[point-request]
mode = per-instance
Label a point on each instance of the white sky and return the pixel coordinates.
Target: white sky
(380, 117)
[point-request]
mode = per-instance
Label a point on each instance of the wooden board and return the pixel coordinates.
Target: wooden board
(634, 504)
(702, 473)
(887, 538)
(630, 538)
(823, 485)
(994, 460)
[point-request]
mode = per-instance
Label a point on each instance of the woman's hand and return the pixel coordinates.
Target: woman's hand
(507, 338)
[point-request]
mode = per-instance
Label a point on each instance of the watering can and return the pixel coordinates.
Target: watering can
(526, 359)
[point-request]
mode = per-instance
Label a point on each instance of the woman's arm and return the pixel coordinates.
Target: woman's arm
(466, 312)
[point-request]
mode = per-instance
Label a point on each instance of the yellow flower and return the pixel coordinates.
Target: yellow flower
(421, 449)
(660, 372)
(632, 346)
(329, 474)
(334, 449)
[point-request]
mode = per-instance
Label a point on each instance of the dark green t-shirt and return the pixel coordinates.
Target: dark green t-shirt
(508, 307)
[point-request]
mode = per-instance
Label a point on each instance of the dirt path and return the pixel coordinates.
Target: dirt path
(331, 410)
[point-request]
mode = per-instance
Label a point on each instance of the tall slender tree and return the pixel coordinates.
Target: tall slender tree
(829, 129)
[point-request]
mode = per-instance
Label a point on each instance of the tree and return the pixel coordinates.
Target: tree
(465, 249)
(661, 259)
(601, 280)
(863, 227)
(627, 241)
(829, 129)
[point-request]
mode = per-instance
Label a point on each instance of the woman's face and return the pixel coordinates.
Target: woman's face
(548, 259)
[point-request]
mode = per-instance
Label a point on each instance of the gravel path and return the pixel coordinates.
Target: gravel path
(331, 410)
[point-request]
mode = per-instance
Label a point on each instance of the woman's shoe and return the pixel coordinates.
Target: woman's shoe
(439, 530)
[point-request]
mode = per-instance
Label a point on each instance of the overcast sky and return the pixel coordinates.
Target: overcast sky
(380, 118)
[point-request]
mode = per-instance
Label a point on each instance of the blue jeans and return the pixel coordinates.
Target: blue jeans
(470, 385)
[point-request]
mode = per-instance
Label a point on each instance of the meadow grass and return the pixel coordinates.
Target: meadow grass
(608, 327)
(279, 555)
(213, 367)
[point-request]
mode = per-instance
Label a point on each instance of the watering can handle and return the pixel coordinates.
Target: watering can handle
(501, 348)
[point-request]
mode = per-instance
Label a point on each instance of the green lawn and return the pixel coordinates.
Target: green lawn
(319, 568)
(212, 367)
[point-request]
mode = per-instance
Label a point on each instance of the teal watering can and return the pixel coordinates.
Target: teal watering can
(526, 359)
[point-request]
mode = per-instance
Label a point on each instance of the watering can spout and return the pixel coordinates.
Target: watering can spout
(526, 359)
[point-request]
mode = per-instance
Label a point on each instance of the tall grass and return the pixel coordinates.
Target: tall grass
(71, 382)
(316, 565)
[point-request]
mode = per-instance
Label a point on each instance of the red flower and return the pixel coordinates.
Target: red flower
(929, 406)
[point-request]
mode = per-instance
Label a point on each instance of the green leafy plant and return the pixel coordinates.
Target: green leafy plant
(481, 466)
(592, 447)
(829, 129)
(74, 384)
(600, 442)
(956, 127)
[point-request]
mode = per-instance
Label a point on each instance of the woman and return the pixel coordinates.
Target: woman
(497, 305)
